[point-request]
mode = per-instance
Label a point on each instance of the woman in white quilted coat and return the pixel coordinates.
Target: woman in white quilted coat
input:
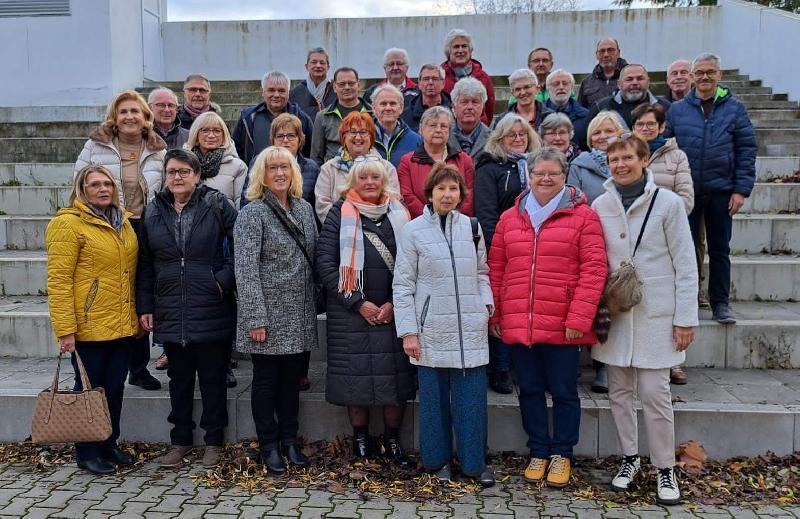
(442, 304)
(650, 338)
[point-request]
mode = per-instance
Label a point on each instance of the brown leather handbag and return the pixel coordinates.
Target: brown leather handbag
(71, 416)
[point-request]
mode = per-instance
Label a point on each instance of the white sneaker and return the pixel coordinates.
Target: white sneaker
(630, 467)
(668, 492)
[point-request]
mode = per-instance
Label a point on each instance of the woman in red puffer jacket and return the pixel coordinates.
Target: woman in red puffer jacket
(548, 267)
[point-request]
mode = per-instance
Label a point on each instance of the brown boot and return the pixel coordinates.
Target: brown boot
(162, 363)
(175, 456)
(211, 456)
(677, 376)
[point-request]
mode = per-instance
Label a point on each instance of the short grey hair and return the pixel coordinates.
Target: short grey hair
(678, 62)
(192, 77)
(318, 50)
(434, 112)
(494, 144)
(274, 76)
(559, 71)
(395, 50)
(547, 153)
(523, 73)
(432, 66)
(159, 90)
(557, 120)
(452, 35)
(470, 87)
(706, 56)
(386, 88)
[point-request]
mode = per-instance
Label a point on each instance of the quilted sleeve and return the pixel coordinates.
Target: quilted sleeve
(63, 248)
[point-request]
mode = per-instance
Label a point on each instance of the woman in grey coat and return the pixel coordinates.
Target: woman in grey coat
(442, 304)
(275, 236)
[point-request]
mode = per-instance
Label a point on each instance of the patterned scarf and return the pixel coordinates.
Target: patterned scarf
(351, 237)
(318, 91)
(195, 113)
(462, 72)
(522, 167)
(601, 159)
(112, 214)
(209, 162)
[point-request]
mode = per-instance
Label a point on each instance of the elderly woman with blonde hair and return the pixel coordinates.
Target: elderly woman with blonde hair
(221, 167)
(275, 236)
(356, 252)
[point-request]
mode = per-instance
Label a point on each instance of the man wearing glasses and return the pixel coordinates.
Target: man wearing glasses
(252, 131)
(196, 99)
(429, 92)
(325, 137)
(602, 82)
(540, 62)
(713, 129)
(395, 65)
(164, 104)
(560, 86)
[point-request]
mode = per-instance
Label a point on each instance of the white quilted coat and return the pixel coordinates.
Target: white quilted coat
(666, 265)
(100, 149)
(230, 179)
(441, 291)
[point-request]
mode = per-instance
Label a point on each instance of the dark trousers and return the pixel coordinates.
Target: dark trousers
(499, 355)
(306, 360)
(553, 368)
(275, 398)
(106, 364)
(712, 209)
(140, 348)
(209, 362)
(453, 400)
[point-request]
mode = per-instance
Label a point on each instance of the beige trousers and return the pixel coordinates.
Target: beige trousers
(652, 386)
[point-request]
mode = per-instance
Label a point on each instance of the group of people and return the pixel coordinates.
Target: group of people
(449, 248)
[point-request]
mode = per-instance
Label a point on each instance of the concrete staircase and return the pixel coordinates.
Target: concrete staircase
(742, 377)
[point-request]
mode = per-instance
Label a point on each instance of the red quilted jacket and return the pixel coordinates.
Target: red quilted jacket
(544, 283)
(413, 169)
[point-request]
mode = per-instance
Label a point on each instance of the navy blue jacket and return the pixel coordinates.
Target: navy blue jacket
(308, 169)
(403, 141)
(577, 114)
(721, 149)
(251, 134)
(413, 107)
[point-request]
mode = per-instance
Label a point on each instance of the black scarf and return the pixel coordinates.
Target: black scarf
(209, 163)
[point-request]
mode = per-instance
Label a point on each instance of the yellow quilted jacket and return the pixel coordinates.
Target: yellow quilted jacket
(91, 272)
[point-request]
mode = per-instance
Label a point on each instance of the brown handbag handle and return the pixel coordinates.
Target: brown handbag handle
(87, 386)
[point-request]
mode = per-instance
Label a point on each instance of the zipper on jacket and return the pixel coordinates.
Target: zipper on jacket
(91, 295)
(508, 174)
(530, 292)
(183, 301)
(424, 314)
(458, 298)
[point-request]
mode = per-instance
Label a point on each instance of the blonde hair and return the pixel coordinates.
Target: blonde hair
(206, 119)
(600, 118)
(494, 144)
(79, 184)
(367, 166)
(128, 95)
(257, 187)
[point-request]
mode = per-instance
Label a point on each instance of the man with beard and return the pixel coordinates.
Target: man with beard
(560, 85)
(429, 92)
(602, 82)
(634, 89)
(679, 80)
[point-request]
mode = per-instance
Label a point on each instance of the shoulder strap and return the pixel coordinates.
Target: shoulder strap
(294, 232)
(476, 235)
(644, 223)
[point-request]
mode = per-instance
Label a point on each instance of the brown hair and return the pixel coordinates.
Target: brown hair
(442, 172)
(357, 120)
(646, 108)
(625, 140)
(287, 119)
(129, 95)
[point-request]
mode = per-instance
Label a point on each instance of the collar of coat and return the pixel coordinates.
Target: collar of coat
(649, 188)
(334, 108)
(600, 74)
(668, 146)
(421, 156)
(105, 134)
(720, 96)
(572, 198)
(85, 213)
(651, 99)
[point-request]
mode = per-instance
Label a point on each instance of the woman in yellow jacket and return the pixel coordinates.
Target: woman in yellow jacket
(91, 270)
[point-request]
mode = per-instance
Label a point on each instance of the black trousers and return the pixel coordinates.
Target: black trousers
(209, 363)
(140, 348)
(712, 209)
(106, 363)
(275, 398)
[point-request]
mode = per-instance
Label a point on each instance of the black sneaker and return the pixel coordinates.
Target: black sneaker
(230, 379)
(144, 380)
(723, 314)
(501, 382)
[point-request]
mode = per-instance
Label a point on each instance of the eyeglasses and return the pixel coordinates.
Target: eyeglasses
(705, 73)
(211, 131)
(366, 158)
(441, 126)
(431, 79)
(546, 174)
(274, 168)
(164, 106)
(183, 172)
(285, 136)
(621, 137)
(556, 133)
(641, 125)
(521, 88)
(98, 185)
(357, 133)
(517, 135)
(196, 90)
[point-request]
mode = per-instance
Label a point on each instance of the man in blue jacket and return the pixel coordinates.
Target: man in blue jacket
(560, 85)
(251, 134)
(713, 129)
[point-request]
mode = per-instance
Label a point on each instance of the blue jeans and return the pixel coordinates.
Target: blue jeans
(452, 399)
(554, 368)
(106, 363)
(499, 355)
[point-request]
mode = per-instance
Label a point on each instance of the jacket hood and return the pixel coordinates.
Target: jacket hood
(586, 161)
(104, 133)
(572, 198)
(668, 146)
(599, 74)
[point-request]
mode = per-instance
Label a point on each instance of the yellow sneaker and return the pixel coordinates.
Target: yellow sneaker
(558, 472)
(535, 470)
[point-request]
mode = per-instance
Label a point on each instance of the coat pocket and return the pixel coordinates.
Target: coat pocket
(659, 296)
(91, 295)
(424, 313)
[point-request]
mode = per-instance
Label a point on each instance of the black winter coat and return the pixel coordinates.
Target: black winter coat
(497, 185)
(366, 364)
(180, 288)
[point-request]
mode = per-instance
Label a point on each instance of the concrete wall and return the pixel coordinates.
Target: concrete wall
(247, 49)
(761, 42)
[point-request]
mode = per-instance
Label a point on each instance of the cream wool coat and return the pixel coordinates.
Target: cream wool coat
(666, 265)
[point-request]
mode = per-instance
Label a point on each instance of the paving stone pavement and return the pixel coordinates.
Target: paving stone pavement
(150, 492)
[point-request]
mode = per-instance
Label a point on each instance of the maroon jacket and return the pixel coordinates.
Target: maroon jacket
(479, 74)
(413, 170)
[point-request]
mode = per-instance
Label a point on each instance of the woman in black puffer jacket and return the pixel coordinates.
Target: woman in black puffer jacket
(355, 259)
(184, 286)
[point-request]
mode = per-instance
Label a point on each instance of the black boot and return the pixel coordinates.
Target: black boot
(394, 452)
(97, 466)
(230, 379)
(501, 382)
(296, 457)
(361, 444)
(273, 460)
(117, 456)
(144, 380)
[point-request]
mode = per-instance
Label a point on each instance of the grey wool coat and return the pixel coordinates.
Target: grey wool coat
(275, 282)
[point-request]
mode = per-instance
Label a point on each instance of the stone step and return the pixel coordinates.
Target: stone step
(778, 150)
(735, 401)
(767, 136)
(773, 115)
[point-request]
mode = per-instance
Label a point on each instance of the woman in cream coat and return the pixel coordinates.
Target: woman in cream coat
(647, 340)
